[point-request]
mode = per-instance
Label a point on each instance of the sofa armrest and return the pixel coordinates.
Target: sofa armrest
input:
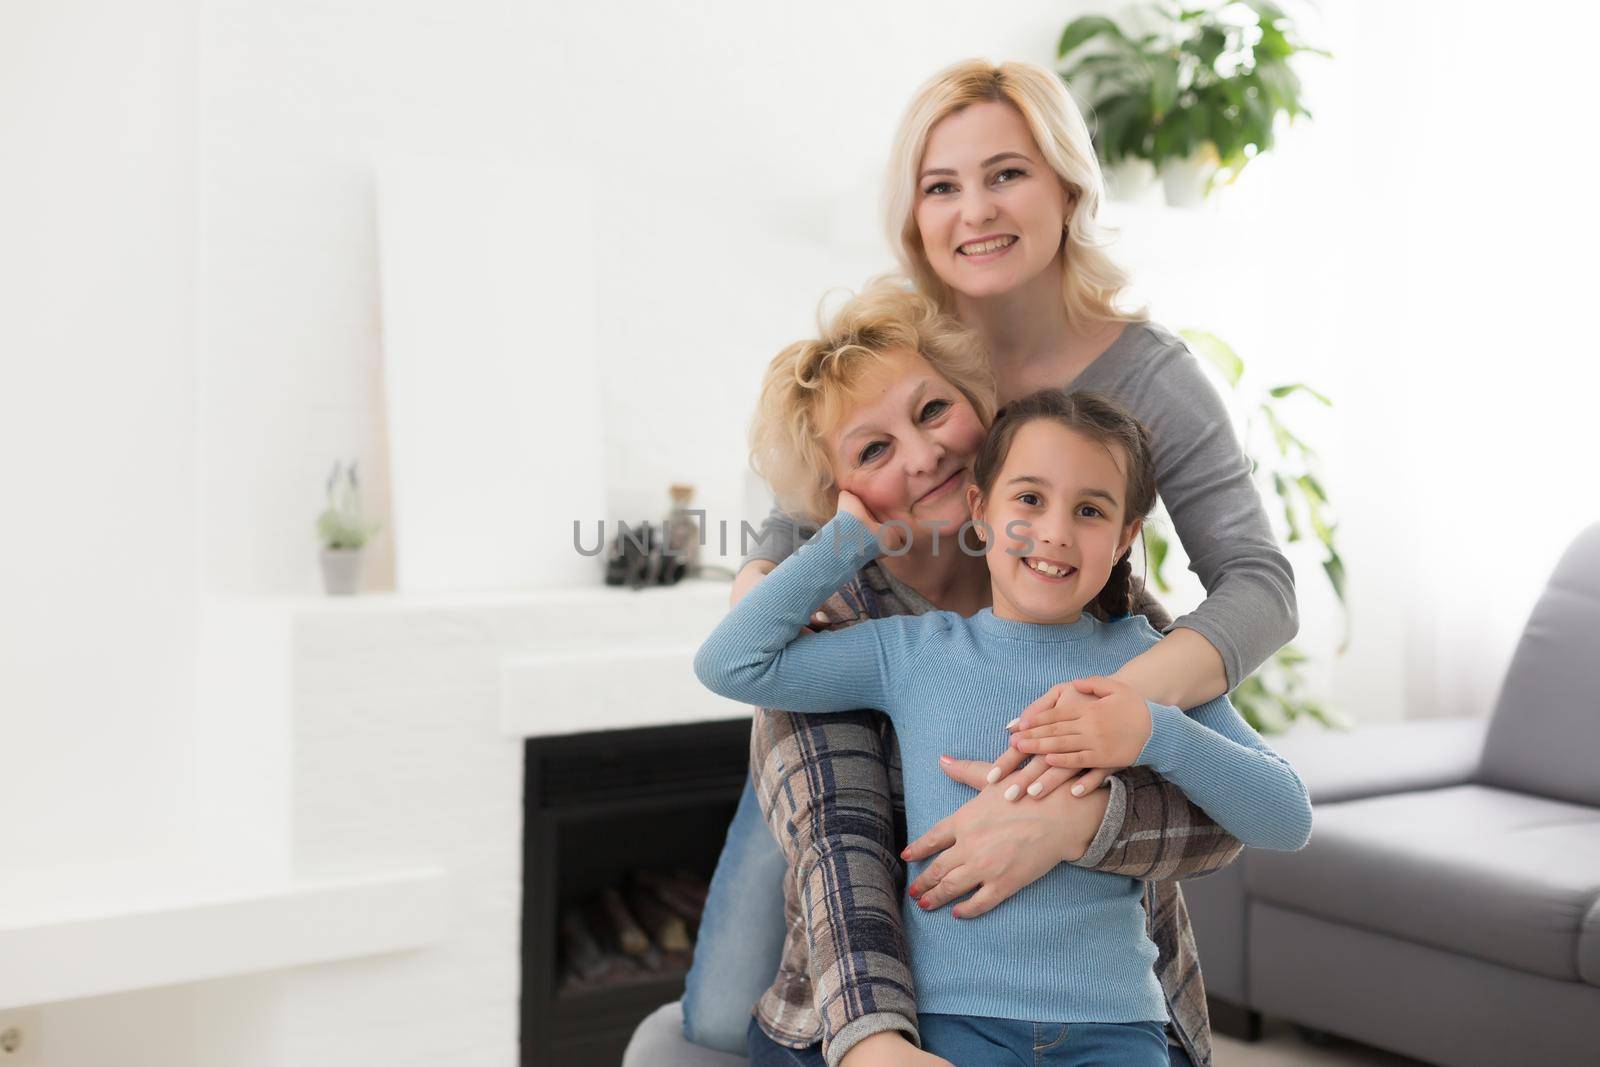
(1382, 758)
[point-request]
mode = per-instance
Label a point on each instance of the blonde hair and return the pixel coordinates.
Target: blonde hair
(811, 385)
(1091, 281)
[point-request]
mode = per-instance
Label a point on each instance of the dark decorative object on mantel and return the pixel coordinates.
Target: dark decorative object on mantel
(640, 556)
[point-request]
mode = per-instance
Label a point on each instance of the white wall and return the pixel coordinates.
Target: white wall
(99, 460)
(97, 435)
(1502, 360)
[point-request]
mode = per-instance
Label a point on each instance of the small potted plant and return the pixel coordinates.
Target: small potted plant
(344, 532)
(1195, 97)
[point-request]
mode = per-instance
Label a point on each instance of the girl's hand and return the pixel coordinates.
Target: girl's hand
(890, 1048)
(891, 538)
(996, 847)
(1108, 733)
(1088, 728)
(1038, 778)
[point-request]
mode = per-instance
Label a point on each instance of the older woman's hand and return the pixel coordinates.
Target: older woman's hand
(996, 847)
(890, 1048)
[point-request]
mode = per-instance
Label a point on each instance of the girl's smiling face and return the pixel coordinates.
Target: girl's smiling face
(906, 446)
(988, 207)
(1056, 512)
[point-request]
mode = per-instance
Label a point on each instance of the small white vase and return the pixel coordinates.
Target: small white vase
(341, 571)
(1185, 180)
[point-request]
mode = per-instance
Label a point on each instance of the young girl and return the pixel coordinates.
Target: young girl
(1061, 487)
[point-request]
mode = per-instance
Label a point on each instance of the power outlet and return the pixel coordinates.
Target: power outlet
(19, 1038)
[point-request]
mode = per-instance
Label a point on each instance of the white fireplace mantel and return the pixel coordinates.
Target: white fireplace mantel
(628, 663)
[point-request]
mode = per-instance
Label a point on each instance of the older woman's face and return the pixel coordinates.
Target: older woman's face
(989, 208)
(906, 448)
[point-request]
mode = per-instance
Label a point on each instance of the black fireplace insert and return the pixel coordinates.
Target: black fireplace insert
(621, 833)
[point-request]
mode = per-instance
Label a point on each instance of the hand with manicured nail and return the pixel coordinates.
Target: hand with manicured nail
(1085, 729)
(991, 848)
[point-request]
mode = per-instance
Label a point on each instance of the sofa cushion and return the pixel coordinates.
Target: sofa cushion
(659, 1042)
(1502, 876)
(1381, 758)
(1544, 736)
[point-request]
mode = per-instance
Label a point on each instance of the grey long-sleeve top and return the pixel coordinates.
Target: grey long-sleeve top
(1202, 476)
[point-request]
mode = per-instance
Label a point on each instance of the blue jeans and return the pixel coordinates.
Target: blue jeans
(962, 1039)
(765, 1052)
(740, 943)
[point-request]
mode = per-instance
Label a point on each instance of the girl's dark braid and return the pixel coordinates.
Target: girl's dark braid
(1116, 599)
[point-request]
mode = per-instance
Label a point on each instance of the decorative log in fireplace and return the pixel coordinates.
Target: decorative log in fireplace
(621, 829)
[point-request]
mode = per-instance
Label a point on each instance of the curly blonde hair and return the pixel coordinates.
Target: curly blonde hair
(811, 385)
(1091, 282)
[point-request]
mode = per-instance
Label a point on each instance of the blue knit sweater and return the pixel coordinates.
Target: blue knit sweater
(1072, 946)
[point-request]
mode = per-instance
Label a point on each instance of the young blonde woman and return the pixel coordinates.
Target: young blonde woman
(992, 200)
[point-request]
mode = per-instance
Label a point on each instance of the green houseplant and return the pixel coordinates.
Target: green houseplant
(344, 531)
(1289, 472)
(1194, 93)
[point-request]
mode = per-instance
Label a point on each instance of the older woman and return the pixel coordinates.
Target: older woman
(993, 196)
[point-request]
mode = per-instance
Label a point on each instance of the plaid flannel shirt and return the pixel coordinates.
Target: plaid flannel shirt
(830, 788)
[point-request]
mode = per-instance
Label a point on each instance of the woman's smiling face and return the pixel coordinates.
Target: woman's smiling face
(906, 446)
(988, 207)
(1056, 511)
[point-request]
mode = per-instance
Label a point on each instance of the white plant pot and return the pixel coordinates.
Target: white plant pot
(341, 571)
(1185, 180)
(1130, 180)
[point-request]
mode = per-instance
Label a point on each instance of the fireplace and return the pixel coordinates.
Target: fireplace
(627, 811)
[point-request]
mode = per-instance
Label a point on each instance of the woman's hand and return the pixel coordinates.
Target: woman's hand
(1085, 729)
(890, 1048)
(890, 537)
(997, 847)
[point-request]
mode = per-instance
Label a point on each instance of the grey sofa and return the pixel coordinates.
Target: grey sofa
(1448, 905)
